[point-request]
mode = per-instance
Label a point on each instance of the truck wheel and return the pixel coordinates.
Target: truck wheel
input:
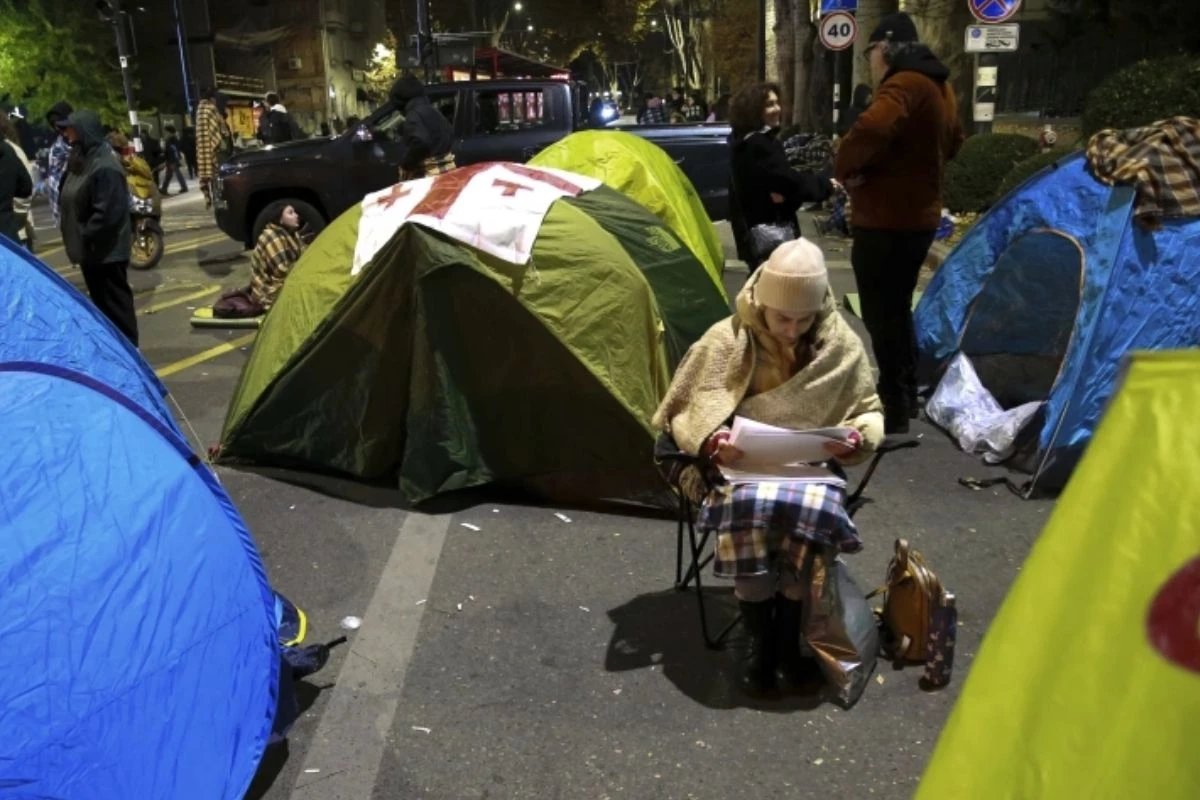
(311, 221)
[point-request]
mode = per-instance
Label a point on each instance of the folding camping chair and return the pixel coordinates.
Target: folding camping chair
(672, 463)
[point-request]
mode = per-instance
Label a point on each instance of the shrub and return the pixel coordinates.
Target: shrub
(1024, 170)
(1143, 93)
(974, 176)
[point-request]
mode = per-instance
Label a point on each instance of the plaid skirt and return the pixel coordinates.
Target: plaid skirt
(762, 525)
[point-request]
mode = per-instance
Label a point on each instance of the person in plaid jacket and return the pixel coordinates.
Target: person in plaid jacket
(212, 137)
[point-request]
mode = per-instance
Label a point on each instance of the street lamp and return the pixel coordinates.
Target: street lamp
(529, 28)
(517, 6)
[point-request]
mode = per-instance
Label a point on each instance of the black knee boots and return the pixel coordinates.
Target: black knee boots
(758, 675)
(800, 672)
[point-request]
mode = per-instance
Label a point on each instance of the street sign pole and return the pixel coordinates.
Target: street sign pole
(118, 21)
(986, 80)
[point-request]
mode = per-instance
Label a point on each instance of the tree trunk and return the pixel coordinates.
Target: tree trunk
(785, 54)
(806, 43)
(870, 12)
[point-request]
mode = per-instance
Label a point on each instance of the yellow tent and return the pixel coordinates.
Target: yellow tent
(1088, 682)
(645, 173)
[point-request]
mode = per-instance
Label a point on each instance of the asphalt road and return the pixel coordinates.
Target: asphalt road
(542, 658)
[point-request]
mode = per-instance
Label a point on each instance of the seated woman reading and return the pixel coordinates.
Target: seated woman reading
(786, 358)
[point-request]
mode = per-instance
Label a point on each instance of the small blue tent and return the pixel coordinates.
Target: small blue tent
(136, 622)
(1047, 293)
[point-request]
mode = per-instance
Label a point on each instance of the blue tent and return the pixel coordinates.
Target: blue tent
(136, 622)
(1049, 291)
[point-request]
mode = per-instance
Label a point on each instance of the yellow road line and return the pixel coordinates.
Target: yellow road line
(207, 355)
(178, 247)
(182, 246)
(43, 253)
(156, 307)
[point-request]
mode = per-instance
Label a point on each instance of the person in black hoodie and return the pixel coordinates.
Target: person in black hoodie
(96, 228)
(427, 135)
(764, 188)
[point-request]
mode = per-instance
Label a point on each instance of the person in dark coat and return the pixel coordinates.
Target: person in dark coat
(173, 162)
(96, 229)
(764, 188)
(427, 135)
(15, 182)
(187, 145)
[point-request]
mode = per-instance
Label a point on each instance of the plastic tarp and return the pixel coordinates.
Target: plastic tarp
(1087, 683)
(1137, 292)
(644, 172)
(138, 630)
(964, 408)
(44, 319)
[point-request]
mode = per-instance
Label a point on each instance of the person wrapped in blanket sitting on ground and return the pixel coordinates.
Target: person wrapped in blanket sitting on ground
(786, 358)
(278, 249)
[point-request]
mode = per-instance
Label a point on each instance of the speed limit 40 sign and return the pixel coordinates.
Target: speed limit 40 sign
(838, 30)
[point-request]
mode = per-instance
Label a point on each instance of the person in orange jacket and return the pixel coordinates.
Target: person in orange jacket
(892, 163)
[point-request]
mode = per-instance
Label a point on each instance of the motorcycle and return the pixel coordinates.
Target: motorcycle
(146, 216)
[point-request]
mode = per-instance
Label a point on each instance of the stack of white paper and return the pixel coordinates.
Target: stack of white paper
(781, 454)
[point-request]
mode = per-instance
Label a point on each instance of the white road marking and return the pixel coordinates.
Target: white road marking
(350, 739)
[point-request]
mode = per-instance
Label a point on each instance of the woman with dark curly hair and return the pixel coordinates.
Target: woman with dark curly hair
(764, 189)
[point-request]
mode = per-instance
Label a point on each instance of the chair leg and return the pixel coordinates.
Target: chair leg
(717, 642)
(679, 544)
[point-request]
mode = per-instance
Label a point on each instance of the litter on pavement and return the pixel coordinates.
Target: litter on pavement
(471, 527)
(351, 623)
(563, 517)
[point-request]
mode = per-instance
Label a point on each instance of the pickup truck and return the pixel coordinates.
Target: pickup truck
(497, 120)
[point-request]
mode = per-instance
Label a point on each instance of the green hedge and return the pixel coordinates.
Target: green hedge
(1024, 170)
(1144, 93)
(984, 161)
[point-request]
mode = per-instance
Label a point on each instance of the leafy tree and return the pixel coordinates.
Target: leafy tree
(735, 44)
(51, 50)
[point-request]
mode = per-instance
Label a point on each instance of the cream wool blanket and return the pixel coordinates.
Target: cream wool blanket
(712, 382)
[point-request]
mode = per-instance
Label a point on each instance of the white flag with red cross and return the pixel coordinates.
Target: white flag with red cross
(496, 207)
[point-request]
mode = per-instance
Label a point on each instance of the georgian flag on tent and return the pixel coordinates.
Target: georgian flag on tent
(494, 207)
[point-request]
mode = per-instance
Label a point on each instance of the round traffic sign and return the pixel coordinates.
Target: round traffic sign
(838, 30)
(994, 10)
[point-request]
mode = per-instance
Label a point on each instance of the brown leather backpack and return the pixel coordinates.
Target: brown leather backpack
(911, 593)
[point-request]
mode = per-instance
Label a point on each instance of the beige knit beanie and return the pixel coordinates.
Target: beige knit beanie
(794, 279)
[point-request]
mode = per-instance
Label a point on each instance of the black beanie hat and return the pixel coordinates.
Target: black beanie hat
(896, 27)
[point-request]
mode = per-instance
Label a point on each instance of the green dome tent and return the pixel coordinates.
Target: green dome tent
(494, 324)
(643, 171)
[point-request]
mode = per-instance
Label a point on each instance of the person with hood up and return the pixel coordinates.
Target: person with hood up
(96, 229)
(427, 135)
(785, 358)
(892, 163)
(56, 160)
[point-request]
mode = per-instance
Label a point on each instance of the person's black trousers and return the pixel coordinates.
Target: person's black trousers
(108, 285)
(886, 266)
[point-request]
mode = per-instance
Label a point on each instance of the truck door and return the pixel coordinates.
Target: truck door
(513, 124)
